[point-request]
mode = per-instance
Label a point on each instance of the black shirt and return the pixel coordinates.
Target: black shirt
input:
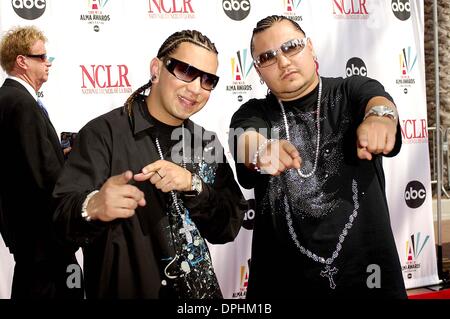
(340, 213)
(126, 258)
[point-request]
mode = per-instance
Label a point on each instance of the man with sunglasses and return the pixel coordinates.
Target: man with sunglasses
(31, 160)
(145, 186)
(312, 152)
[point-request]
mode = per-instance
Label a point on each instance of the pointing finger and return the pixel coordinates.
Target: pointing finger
(153, 167)
(143, 177)
(121, 179)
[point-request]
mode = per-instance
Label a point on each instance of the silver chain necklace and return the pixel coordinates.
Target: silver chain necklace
(328, 271)
(286, 126)
(158, 146)
(174, 198)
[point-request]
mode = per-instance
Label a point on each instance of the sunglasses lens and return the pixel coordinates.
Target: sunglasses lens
(267, 58)
(288, 49)
(209, 81)
(42, 57)
(185, 72)
(188, 73)
(292, 47)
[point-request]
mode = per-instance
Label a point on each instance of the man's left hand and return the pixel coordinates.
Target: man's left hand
(375, 135)
(166, 176)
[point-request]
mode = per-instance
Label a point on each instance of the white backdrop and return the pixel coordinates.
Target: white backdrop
(102, 50)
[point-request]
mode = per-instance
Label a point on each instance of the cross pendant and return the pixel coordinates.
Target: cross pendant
(186, 229)
(329, 272)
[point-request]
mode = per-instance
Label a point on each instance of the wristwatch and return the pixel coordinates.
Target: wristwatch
(382, 110)
(196, 184)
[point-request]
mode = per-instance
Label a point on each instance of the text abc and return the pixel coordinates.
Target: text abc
(29, 4)
(401, 7)
(415, 194)
(354, 70)
(235, 5)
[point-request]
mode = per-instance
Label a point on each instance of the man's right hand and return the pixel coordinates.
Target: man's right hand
(277, 157)
(116, 199)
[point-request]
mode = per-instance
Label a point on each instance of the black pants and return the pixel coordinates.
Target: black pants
(46, 280)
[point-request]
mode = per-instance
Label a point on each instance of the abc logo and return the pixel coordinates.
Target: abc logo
(355, 66)
(236, 9)
(415, 194)
(249, 215)
(401, 9)
(29, 9)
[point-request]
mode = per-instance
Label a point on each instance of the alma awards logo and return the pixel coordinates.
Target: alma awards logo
(95, 14)
(243, 281)
(291, 9)
(408, 60)
(241, 65)
(414, 248)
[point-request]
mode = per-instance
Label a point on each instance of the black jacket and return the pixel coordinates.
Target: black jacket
(31, 161)
(123, 258)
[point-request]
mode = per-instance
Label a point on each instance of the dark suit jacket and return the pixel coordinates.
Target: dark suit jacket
(31, 160)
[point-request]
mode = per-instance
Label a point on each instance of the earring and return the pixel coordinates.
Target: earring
(261, 81)
(153, 78)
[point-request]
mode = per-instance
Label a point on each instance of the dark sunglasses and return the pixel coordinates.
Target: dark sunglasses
(42, 57)
(288, 48)
(188, 73)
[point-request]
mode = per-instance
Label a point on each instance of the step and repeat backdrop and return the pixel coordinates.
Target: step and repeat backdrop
(101, 52)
